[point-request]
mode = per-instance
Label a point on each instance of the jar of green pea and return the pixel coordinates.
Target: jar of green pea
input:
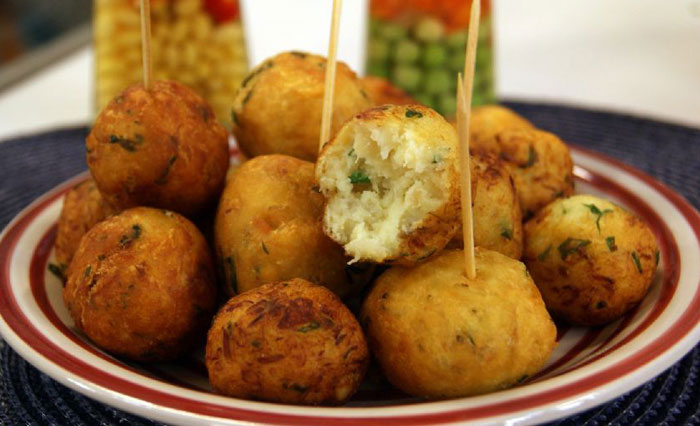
(419, 45)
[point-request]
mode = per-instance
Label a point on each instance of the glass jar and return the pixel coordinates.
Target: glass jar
(419, 45)
(196, 42)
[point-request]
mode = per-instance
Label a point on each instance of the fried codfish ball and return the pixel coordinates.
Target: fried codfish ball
(292, 342)
(278, 108)
(496, 210)
(83, 207)
(391, 180)
(141, 285)
(437, 334)
(161, 147)
(592, 260)
(268, 228)
(489, 120)
(382, 92)
(540, 164)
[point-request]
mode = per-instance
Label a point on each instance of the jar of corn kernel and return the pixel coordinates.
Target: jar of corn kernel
(196, 42)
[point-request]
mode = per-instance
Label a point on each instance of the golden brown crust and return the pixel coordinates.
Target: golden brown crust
(83, 207)
(268, 228)
(277, 110)
(437, 334)
(496, 210)
(592, 260)
(382, 92)
(487, 121)
(540, 164)
(292, 342)
(162, 148)
(142, 285)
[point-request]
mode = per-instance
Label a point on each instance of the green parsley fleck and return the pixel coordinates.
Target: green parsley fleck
(351, 152)
(542, 256)
(163, 178)
(234, 118)
(58, 270)
(658, 255)
(610, 241)
(298, 54)
(506, 233)
(128, 144)
(410, 113)
(572, 245)
(313, 325)
(87, 271)
(126, 240)
(596, 211)
(264, 247)
(231, 267)
(437, 158)
(531, 158)
(637, 262)
(359, 176)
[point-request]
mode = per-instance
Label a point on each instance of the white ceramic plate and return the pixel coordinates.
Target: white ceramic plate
(589, 366)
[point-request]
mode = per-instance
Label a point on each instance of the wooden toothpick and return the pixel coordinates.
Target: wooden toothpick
(466, 179)
(146, 43)
(470, 57)
(464, 104)
(330, 75)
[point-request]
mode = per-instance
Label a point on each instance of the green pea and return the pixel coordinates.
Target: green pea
(429, 29)
(406, 52)
(377, 49)
(447, 104)
(378, 68)
(455, 61)
(434, 55)
(426, 100)
(437, 81)
(391, 31)
(457, 40)
(407, 77)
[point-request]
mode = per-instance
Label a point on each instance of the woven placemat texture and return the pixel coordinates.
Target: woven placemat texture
(32, 165)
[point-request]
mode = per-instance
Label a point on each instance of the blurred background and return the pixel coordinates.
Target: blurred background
(636, 56)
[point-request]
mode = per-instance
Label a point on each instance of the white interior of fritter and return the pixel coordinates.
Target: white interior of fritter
(398, 182)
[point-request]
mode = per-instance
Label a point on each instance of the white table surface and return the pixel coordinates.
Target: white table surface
(635, 56)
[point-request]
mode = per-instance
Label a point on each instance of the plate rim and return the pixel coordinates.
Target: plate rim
(604, 393)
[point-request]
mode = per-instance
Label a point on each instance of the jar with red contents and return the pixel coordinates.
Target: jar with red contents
(419, 45)
(199, 43)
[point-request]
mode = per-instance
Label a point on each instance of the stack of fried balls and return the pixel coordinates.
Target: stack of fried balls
(167, 248)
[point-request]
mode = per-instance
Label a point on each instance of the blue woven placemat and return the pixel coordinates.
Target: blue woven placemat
(32, 165)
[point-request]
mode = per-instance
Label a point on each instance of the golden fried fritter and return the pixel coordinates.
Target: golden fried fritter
(268, 228)
(278, 108)
(438, 334)
(391, 179)
(141, 285)
(161, 147)
(591, 259)
(291, 342)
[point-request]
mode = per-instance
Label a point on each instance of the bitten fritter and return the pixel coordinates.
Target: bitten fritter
(391, 179)
(268, 228)
(382, 92)
(161, 147)
(496, 210)
(592, 260)
(83, 208)
(278, 108)
(141, 285)
(438, 334)
(291, 342)
(489, 120)
(540, 164)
